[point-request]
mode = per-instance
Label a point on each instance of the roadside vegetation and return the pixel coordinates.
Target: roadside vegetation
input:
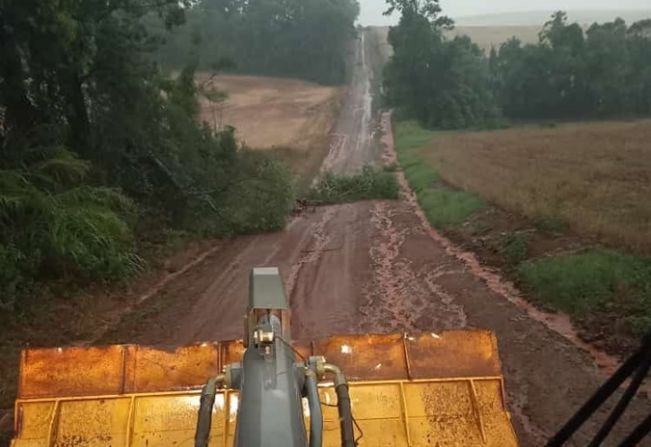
(102, 155)
(457, 176)
(370, 184)
(106, 168)
(443, 205)
(520, 197)
(600, 287)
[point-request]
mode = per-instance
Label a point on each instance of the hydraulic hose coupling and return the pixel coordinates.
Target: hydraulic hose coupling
(343, 398)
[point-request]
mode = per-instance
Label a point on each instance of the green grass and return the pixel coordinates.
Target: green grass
(444, 207)
(515, 248)
(411, 135)
(447, 208)
(598, 280)
(370, 184)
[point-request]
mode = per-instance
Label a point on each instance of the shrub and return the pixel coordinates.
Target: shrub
(262, 197)
(515, 248)
(370, 184)
(50, 223)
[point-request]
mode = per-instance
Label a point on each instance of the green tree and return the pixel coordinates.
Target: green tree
(97, 146)
(305, 39)
(572, 74)
(442, 83)
(639, 47)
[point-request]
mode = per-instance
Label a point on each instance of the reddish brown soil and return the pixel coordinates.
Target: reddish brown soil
(485, 234)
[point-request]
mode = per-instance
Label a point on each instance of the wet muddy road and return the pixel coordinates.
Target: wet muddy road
(378, 267)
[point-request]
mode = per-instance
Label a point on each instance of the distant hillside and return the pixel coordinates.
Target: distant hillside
(537, 18)
(493, 36)
(494, 29)
(484, 36)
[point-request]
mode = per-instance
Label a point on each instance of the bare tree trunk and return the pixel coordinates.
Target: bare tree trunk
(77, 114)
(20, 115)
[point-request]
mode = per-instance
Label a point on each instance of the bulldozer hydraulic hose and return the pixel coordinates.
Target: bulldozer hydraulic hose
(204, 419)
(343, 405)
(345, 416)
(316, 415)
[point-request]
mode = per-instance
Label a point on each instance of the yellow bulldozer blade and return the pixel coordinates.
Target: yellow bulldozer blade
(425, 390)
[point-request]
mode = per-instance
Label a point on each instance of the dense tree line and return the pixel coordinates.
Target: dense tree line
(305, 39)
(96, 146)
(442, 83)
(570, 73)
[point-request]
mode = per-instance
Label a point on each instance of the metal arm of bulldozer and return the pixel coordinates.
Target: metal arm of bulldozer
(271, 381)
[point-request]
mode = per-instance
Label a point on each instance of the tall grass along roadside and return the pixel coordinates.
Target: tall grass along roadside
(595, 281)
(444, 207)
(53, 225)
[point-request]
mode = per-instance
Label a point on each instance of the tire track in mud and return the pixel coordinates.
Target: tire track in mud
(401, 296)
(384, 294)
(312, 253)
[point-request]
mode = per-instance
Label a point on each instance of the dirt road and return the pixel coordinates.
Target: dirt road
(377, 267)
(352, 143)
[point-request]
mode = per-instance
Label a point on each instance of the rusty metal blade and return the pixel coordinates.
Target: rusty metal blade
(120, 369)
(406, 391)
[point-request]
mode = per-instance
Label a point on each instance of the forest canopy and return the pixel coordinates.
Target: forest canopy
(100, 152)
(571, 73)
(604, 70)
(306, 39)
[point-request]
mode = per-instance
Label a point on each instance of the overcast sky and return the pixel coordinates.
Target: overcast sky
(372, 9)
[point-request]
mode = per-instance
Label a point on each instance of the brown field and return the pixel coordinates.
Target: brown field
(484, 36)
(272, 112)
(494, 36)
(291, 117)
(585, 17)
(595, 177)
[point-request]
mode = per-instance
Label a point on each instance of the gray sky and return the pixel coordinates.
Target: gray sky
(371, 13)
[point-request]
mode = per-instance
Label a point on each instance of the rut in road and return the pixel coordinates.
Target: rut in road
(375, 267)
